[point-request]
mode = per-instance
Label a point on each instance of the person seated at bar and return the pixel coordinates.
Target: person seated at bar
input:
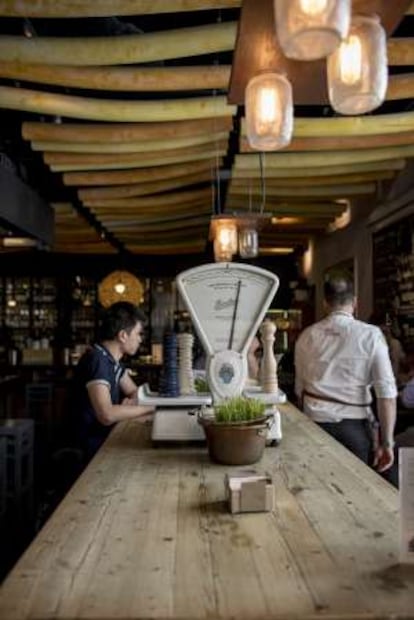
(337, 361)
(104, 392)
(254, 354)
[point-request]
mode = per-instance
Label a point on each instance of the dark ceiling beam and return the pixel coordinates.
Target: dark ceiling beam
(24, 210)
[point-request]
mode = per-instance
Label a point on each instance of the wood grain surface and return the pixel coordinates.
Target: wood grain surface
(145, 533)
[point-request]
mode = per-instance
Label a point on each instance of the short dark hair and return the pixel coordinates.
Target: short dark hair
(120, 316)
(339, 290)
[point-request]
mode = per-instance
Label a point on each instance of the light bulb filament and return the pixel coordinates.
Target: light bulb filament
(350, 60)
(268, 102)
(313, 7)
(120, 288)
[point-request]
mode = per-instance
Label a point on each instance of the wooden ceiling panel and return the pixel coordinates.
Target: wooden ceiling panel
(147, 143)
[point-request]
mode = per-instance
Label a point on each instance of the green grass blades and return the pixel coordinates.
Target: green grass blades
(239, 409)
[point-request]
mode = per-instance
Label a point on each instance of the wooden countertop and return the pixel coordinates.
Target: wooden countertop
(145, 533)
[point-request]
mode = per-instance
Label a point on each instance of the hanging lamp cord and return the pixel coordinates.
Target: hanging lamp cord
(262, 180)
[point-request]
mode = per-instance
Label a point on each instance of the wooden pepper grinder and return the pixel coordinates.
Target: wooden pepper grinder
(268, 375)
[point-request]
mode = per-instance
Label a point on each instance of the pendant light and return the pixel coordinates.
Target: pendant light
(311, 29)
(357, 70)
(269, 111)
(120, 286)
(248, 242)
(225, 238)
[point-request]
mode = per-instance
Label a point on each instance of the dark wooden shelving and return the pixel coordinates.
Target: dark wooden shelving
(393, 277)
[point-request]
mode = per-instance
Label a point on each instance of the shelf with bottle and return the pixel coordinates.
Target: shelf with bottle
(393, 275)
(16, 304)
(83, 311)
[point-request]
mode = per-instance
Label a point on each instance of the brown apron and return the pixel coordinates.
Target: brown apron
(328, 399)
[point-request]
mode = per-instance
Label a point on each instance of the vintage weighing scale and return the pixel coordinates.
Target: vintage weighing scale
(227, 303)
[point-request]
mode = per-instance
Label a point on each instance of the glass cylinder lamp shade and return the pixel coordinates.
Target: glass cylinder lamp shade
(269, 112)
(357, 70)
(248, 243)
(225, 241)
(311, 29)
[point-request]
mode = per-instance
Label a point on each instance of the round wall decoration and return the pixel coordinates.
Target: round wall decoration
(120, 286)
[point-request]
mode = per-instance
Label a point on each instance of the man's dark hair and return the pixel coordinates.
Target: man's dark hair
(120, 316)
(339, 290)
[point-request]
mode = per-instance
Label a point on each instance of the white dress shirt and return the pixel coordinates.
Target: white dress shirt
(342, 358)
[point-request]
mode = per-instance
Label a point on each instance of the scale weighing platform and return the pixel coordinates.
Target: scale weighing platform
(227, 303)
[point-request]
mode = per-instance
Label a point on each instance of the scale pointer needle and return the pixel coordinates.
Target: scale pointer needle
(233, 321)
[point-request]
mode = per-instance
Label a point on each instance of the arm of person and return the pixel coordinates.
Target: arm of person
(107, 413)
(129, 388)
(384, 452)
(386, 393)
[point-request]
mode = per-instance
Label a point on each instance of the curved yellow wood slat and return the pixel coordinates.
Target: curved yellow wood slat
(191, 246)
(290, 207)
(106, 8)
(122, 165)
(137, 79)
(127, 213)
(330, 190)
(113, 110)
(124, 132)
(127, 158)
(144, 189)
(164, 236)
(400, 51)
(129, 147)
(400, 87)
(172, 198)
(350, 126)
(326, 159)
(142, 175)
(300, 172)
(246, 184)
(340, 142)
(120, 50)
(168, 222)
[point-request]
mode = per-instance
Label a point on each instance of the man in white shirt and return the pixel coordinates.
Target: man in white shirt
(337, 361)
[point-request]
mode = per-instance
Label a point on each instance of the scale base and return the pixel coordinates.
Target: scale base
(176, 425)
(181, 425)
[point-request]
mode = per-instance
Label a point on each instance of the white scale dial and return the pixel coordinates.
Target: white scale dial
(227, 303)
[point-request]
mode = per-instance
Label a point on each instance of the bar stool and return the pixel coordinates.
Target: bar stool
(39, 407)
(17, 436)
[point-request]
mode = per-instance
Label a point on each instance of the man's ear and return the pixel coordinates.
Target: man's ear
(122, 335)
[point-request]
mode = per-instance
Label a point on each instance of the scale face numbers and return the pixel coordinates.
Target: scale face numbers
(227, 303)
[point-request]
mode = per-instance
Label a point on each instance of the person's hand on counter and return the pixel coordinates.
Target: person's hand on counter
(147, 412)
(384, 458)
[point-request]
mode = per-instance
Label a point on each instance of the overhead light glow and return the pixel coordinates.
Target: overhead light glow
(358, 70)
(269, 112)
(19, 242)
(278, 250)
(120, 288)
(311, 29)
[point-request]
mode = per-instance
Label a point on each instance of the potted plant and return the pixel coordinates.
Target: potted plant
(236, 430)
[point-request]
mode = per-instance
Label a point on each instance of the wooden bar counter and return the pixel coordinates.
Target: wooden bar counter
(145, 533)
